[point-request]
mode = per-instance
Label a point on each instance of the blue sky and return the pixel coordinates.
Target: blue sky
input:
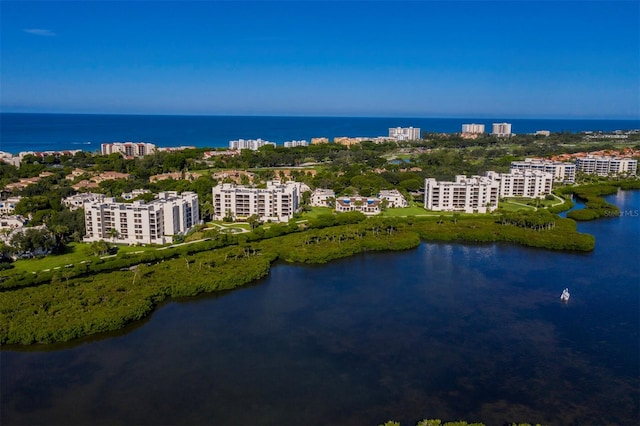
(362, 58)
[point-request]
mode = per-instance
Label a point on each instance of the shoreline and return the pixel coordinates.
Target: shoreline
(91, 305)
(210, 131)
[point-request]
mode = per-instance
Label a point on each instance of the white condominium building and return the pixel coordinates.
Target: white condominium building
(12, 223)
(561, 171)
(8, 206)
(501, 129)
(138, 222)
(277, 202)
(252, 144)
(128, 149)
(473, 128)
(523, 183)
(128, 196)
(476, 194)
(291, 144)
(78, 201)
(394, 198)
(603, 165)
(404, 133)
(365, 205)
(321, 197)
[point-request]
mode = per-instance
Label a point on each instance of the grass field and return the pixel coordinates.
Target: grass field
(316, 211)
(512, 207)
(225, 225)
(76, 253)
(523, 203)
(540, 203)
(407, 211)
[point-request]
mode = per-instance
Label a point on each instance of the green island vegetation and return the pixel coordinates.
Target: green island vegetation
(81, 289)
(595, 206)
(438, 422)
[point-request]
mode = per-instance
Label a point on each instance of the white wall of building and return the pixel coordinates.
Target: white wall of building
(77, 201)
(603, 165)
(523, 183)
(366, 205)
(252, 144)
(278, 202)
(394, 198)
(291, 144)
(133, 194)
(404, 133)
(476, 194)
(142, 223)
(473, 128)
(561, 171)
(8, 206)
(501, 129)
(320, 197)
(128, 149)
(11, 222)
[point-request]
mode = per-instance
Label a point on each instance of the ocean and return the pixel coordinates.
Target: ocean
(53, 132)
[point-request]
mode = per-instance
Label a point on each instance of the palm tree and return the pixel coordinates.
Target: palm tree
(113, 233)
(207, 210)
(59, 232)
(254, 221)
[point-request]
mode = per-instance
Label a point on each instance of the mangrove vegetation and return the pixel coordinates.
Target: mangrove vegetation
(105, 294)
(591, 194)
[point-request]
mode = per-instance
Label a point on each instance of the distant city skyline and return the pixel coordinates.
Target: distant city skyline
(519, 59)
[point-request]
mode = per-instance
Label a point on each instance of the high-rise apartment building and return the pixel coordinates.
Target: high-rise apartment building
(604, 165)
(128, 149)
(156, 222)
(523, 183)
(252, 144)
(476, 194)
(277, 202)
(404, 133)
(561, 171)
(501, 129)
(473, 128)
(291, 144)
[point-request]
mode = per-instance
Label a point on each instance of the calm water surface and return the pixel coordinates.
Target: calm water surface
(42, 132)
(447, 331)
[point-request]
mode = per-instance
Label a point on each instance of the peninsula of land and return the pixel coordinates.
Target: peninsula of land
(95, 242)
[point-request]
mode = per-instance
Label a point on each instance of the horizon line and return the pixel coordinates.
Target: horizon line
(479, 117)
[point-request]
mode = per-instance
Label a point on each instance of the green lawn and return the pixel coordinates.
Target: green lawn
(516, 203)
(236, 225)
(540, 203)
(406, 211)
(76, 253)
(404, 156)
(402, 212)
(511, 207)
(316, 211)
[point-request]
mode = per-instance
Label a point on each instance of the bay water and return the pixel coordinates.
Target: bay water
(449, 331)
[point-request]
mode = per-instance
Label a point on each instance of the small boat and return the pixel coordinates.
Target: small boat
(565, 295)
